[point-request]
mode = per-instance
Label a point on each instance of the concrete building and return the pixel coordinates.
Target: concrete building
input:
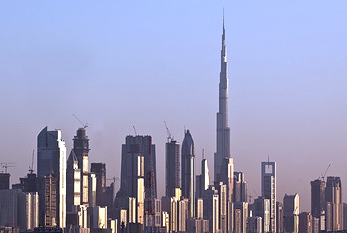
(48, 208)
(73, 182)
(28, 211)
(92, 185)
(254, 224)
(240, 187)
(223, 130)
(279, 217)
(4, 181)
(268, 189)
(77, 216)
(99, 169)
(333, 195)
(291, 213)
(262, 208)
(133, 174)
(211, 208)
(188, 172)
(197, 226)
(51, 159)
(223, 206)
(305, 222)
(172, 167)
(9, 207)
(97, 217)
(202, 180)
(81, 150)
(182, 214)
(169, 205)
(241, 216)
(318, 200)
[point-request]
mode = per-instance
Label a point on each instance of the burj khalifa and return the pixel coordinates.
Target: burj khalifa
(223, 130)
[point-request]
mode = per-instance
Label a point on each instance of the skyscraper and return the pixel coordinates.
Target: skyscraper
(4, 181)
(223, 130)
(51, 159)
(100, 171)
(333, 195)
(188, 174)
(240, 187)
(81, 149)
(211, 208)
(203, 180)
(172, 169)
(268, 189)
(73, 182)
(291, 213)
(318, 201)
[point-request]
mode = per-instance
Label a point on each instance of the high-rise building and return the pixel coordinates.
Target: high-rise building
(254, 225)
(223, 130)
(100, 171)
(305, 222)
(268, 189)
(318, 200)
(51, 159)
(240, 187)
(279, 217)
(188, 172)
(211, 208)
(48, 186)
(169, 205)
(203, 180)
(262, 209)
(291, 213)
(92, 189)
(73, 182)
(172, 168)
(81, 149)
(241, 216)
(333, 195)
(4, 181)
(9, 207)
(345, 216)
(132, 175)
(223, 206)
(28, 214)
(227, 176)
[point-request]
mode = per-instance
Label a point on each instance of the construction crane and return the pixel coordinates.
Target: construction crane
(135, 130)
(31, 169)
(322, 177)
(84, 125)
(6, 166)
(169, 136)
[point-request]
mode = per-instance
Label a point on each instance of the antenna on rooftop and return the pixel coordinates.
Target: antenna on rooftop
(84, 125)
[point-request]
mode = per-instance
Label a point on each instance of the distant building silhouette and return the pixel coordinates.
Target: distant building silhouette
(100, 171)
(268, 189)
(333, 196)
(172, 167)
(291, 213)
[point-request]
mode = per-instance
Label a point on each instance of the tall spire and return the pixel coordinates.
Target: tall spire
(223, 130)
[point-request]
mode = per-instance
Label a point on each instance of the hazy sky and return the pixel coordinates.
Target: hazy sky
(116, 64)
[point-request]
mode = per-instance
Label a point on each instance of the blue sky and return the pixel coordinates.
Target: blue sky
(117, 64)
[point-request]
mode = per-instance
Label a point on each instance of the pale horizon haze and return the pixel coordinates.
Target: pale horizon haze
(116, 64)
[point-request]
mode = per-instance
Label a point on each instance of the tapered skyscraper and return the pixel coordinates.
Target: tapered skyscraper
(223, 130)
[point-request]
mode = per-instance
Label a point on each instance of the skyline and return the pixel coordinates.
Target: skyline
(243, 104)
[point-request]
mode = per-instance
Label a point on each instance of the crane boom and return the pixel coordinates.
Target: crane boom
(84, 125)
(168, 132)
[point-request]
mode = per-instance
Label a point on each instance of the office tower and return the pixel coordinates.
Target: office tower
(100, 171)
(110, 195)
(169, 205)
(51, 159)
(254, 225)
(30, 183)
(153, 221)
(279, 217)
(211, 208)
(227, 176)
(223, 130)
(199, 208)
(132, 174)
(230, 216)
(315, 225)
(223, 206)
(241, 218)
(305, 222)
(73, 182)
(291, 213)
(268, 189)
(240, 187)
(333, 195)
(4, 181)
(48, 186)
(318, 200)
(172, 169)
(81, 149)
(28, 214)
(78, 216)
(197, 226)
(203, 180)
(188, 172)
(92, 185)
(9, 207)
(262, 209)
(97, 217)
(182, 211)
